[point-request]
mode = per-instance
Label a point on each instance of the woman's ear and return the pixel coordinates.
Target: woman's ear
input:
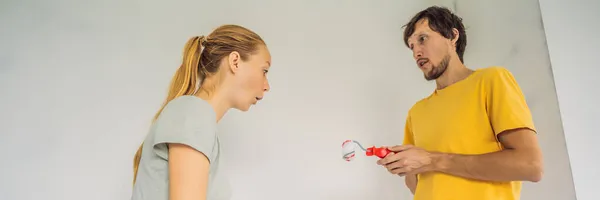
(234, 60)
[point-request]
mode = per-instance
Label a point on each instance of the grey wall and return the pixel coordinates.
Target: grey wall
(572, 33)
(81, 81)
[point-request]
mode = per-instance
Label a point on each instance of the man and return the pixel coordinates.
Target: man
(473, 138)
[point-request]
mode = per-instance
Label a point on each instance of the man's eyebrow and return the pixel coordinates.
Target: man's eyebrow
(410, 38)
(417, 34)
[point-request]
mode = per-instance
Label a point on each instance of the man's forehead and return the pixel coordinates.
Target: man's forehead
(421, 27)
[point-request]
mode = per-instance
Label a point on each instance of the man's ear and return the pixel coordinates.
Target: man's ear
(456, 36)
(234, 60)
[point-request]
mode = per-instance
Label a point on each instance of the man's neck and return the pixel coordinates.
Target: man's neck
(455, 72)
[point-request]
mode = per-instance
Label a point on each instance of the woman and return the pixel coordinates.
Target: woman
(179, 159)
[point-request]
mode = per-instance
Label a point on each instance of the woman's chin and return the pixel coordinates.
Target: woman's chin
(244, 108)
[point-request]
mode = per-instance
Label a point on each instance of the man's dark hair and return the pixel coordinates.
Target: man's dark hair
(441, 20)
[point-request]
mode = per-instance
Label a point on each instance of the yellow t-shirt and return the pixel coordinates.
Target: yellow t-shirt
(465, 118)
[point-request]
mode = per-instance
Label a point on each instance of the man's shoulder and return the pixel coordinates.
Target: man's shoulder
(494, 72)
(416, 107)
(484, 75)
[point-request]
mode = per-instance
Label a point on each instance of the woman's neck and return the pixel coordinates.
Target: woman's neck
(217, 101)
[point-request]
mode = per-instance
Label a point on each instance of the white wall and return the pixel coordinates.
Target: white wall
(572, 33)
(80, 82)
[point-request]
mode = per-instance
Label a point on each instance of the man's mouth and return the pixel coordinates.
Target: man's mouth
(258, 98)
(422, 61)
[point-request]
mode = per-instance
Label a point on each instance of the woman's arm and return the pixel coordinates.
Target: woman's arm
(188, 173)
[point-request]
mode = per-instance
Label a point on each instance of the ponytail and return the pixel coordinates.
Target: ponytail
(184, 82)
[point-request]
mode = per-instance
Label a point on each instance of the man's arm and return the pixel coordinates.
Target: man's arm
(411, 182)
(510, 117)
(520, 160)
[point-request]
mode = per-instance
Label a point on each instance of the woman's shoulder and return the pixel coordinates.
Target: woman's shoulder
(189, 106)
(187, 100)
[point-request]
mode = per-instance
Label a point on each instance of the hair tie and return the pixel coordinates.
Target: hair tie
(202, 39)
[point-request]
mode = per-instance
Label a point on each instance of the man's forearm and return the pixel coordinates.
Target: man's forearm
(411, 182)
(505, 165)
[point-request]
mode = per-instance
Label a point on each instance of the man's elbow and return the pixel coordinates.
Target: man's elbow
(535, 172)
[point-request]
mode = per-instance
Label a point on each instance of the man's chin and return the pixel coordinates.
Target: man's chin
(432, 75)
(429, 77)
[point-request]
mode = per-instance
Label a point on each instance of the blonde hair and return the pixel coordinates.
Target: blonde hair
(201, 58)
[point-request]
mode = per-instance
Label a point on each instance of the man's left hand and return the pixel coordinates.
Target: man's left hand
(407, 159)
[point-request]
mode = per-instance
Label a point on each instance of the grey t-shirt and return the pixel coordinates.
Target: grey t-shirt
(186, 120)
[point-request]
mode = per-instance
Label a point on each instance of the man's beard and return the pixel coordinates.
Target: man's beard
(438, 70)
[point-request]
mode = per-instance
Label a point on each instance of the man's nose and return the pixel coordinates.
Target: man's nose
(417, 52)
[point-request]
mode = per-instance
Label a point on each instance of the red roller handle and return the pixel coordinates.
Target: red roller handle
(378, 151)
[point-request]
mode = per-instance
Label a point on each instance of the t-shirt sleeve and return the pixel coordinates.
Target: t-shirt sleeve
(506, 105)
(408, 134)
(185, 121)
